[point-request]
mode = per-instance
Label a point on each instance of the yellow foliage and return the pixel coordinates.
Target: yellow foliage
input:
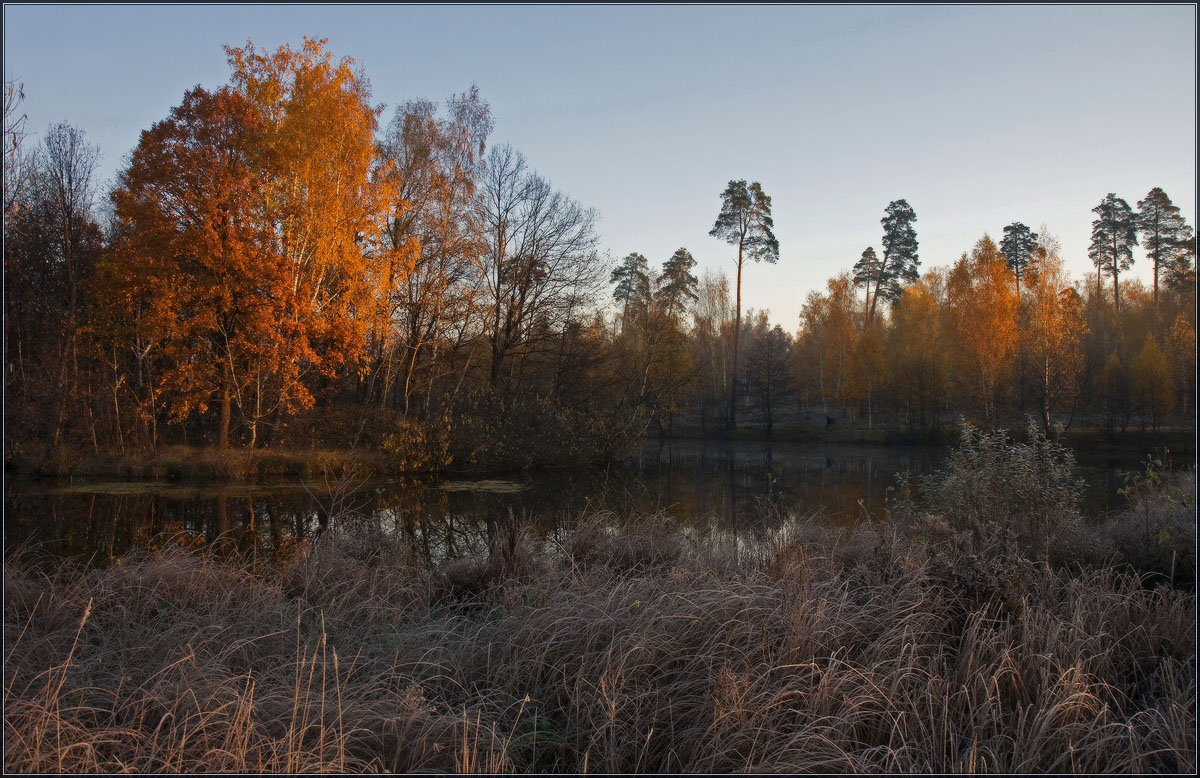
(983, 321)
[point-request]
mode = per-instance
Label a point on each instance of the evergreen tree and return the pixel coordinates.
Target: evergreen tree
(1017, 245)
(1114, 235)
(900, 261)
(632, 278)
(1165, 234)
(867, 270)
(677, 285)
(745, 221)
(1181, 273)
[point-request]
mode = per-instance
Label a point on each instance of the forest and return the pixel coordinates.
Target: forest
(282, 274)
(280, 267)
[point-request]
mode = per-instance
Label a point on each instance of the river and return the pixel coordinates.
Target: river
(705, 486)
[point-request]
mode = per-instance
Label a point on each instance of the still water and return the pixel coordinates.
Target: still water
(706, 486)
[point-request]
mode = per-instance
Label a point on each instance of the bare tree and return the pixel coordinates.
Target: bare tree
(14, 135)
(433, 234)
(540, 267)
(67, 166)
(51, 246)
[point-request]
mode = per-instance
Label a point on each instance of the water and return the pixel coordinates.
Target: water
(706, 486)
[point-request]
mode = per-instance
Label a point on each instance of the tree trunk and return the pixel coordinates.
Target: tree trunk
(737, 335)
(223, 439)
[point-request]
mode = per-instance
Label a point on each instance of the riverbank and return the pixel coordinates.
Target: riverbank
(209, 464)
(1179, 439)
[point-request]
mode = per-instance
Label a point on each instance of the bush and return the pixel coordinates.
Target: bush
(1156, 534)
(997, 494)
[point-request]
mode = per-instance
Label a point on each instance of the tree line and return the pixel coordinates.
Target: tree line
(275, 267)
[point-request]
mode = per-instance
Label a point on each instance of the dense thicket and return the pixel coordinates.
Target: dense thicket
(274, 268)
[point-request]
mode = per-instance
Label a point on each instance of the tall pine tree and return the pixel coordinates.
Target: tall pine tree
(1114, 235)
(1166, 235)
(745, 221)
(632, 278)
(900, 261)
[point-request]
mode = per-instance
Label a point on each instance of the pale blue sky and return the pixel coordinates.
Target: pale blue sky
(978, 116)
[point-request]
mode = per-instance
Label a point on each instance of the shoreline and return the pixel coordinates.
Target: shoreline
(213, 465)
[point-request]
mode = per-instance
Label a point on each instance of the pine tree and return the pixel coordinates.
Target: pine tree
(745, 221)
(900, 261)
(867, 270)
(1165, 233)
(632, 278)
(1017, 245)
(677, 285)
(1114, 235)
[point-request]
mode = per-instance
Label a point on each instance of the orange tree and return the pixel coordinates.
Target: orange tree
(323, 202)
(983, 318)
(1052, 335)
(249, 252)
(194, 266)
(915, 360)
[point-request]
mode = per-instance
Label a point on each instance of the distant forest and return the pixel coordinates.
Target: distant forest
(275, 268)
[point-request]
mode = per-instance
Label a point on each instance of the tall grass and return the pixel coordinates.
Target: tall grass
(619, 647)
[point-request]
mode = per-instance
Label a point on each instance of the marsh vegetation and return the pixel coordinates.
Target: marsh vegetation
(955, 637)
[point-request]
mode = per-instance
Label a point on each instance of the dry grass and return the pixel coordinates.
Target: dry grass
(627, 650)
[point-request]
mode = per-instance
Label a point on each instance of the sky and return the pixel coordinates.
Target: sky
(977, 116)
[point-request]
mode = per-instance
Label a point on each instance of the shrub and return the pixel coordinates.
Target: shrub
(995, 493)
(1157, 533)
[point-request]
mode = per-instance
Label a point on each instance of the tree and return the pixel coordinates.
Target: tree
(1113, 393)
(668, 370)
(1051, 336)
(432, 237)
(14, 135)
(768, 352)
(540, 268)
(744, 221)
(1152, 385)
(67, 164)
(199, 270)
(915, 357)
(1183, 361)
(1114, 234)
(51, 245)
(711, 336)
(868, 269)
(632, 278)
(676, 285)
(1165, 233)
(1181, 275)
(900, 261)
(1018, 247)
(323, 201)
(983, 313)
(827, 341)
(867, 367)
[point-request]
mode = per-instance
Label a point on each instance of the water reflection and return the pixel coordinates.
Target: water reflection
(712, 488)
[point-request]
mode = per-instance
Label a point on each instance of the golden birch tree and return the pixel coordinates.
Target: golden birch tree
(983, 317)
(1052, 335)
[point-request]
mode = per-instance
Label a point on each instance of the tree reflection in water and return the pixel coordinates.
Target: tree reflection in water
(711, 488)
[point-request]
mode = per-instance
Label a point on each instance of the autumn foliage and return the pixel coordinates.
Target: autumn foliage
(280, 268)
